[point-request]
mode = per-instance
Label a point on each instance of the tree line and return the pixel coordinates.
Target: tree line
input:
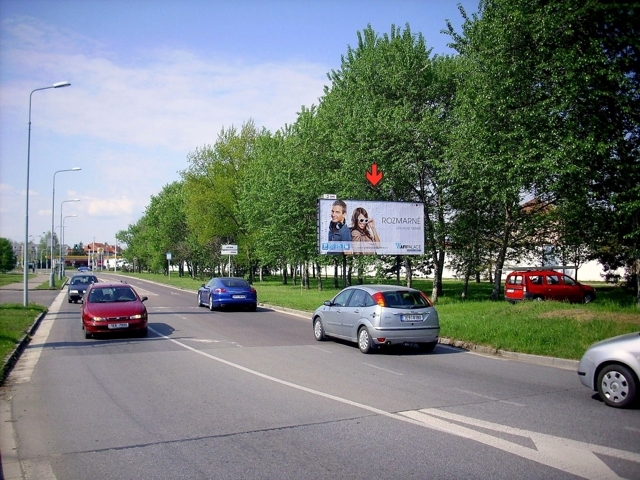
(523, 144)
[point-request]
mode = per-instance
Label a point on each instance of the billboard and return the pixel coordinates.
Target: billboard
(363, 227)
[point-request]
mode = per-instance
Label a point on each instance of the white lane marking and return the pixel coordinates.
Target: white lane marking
(383, 369)
(205, 340)
(321, 349)
(489, 398)
(577, 458)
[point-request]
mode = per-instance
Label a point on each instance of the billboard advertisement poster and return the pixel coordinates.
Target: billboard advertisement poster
(364, 227)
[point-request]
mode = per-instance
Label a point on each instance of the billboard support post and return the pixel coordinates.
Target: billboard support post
(344, 271)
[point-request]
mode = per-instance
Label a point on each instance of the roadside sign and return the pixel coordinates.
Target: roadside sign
(168, 255)
(229, 250)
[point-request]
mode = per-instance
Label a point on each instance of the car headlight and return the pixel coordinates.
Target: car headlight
(98, 319)
(73, 291)
(137, 317)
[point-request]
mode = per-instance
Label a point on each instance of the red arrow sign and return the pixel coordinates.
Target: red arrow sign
(374, 176)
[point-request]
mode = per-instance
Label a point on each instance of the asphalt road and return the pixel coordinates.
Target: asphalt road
(234, 394)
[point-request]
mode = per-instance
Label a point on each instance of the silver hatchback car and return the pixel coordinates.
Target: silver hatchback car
(376, 315)
(612, 368)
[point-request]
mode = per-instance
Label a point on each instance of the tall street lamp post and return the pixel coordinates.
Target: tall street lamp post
(26, 222)
(52, 281)
(63, 260)
(61, 233)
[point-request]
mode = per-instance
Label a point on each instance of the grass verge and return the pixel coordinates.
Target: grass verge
(540, 328)
(15, 321)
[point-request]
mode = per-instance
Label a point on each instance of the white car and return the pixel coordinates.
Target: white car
(612, 368)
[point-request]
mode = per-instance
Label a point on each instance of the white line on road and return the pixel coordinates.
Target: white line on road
(383, 369)
(577, 458)
(489, 398)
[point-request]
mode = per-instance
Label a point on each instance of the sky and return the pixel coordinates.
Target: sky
(153, 81)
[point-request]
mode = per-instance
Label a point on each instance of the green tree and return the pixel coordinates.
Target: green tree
(391, 104)
(548, 110)
(165, 217)
(7, 257)
(211, 191)
(280, 189)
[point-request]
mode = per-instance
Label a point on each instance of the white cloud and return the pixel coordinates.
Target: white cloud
(128, 122)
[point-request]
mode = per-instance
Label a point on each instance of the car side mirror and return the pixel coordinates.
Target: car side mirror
(202, 285)
(142, 299)
(327, 303)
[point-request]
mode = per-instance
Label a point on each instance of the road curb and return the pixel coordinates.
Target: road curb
(11, 359)
(563, 363)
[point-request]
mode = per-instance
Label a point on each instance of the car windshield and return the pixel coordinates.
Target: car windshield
(404, 299)
(112, 294)
(81, 280)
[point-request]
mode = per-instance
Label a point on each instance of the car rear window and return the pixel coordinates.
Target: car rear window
(404, 299)
(234, 282)
(515, 280)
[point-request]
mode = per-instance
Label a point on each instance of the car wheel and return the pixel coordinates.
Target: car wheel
(144, 332)
(253, 307)
(427, 347)
(199, 301)
(538, 299)
(318, 330)
(588, 297)
(364, 340)
(87, 335)
(617, 386)
(211, 307)
(69, 300)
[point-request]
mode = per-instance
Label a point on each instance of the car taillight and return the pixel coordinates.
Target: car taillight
(253, 290)
(424, 295)
(219, 290)
(379, 299)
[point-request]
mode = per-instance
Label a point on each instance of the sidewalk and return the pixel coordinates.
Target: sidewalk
(32, 283)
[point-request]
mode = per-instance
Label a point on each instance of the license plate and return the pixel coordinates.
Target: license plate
(510, 290)
(239, 296)
(411, 318)
(118, 325)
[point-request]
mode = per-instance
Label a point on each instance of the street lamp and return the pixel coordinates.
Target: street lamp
(26, 215)
(63, 261)
(32, 238)
(42, 249)
(61, 232)
(52, 281)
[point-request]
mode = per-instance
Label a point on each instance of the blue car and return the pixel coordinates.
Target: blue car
(227, 292)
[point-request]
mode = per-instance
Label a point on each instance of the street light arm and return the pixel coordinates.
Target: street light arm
(53, 209)
(25, 278)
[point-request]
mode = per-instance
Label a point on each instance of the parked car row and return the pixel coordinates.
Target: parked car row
(371, 316)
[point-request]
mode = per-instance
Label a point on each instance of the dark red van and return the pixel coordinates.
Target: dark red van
(546, 285)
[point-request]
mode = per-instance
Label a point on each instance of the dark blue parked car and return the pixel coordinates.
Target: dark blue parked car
(227, 292)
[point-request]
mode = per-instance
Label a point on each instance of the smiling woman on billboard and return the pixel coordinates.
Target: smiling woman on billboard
(364, 235)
